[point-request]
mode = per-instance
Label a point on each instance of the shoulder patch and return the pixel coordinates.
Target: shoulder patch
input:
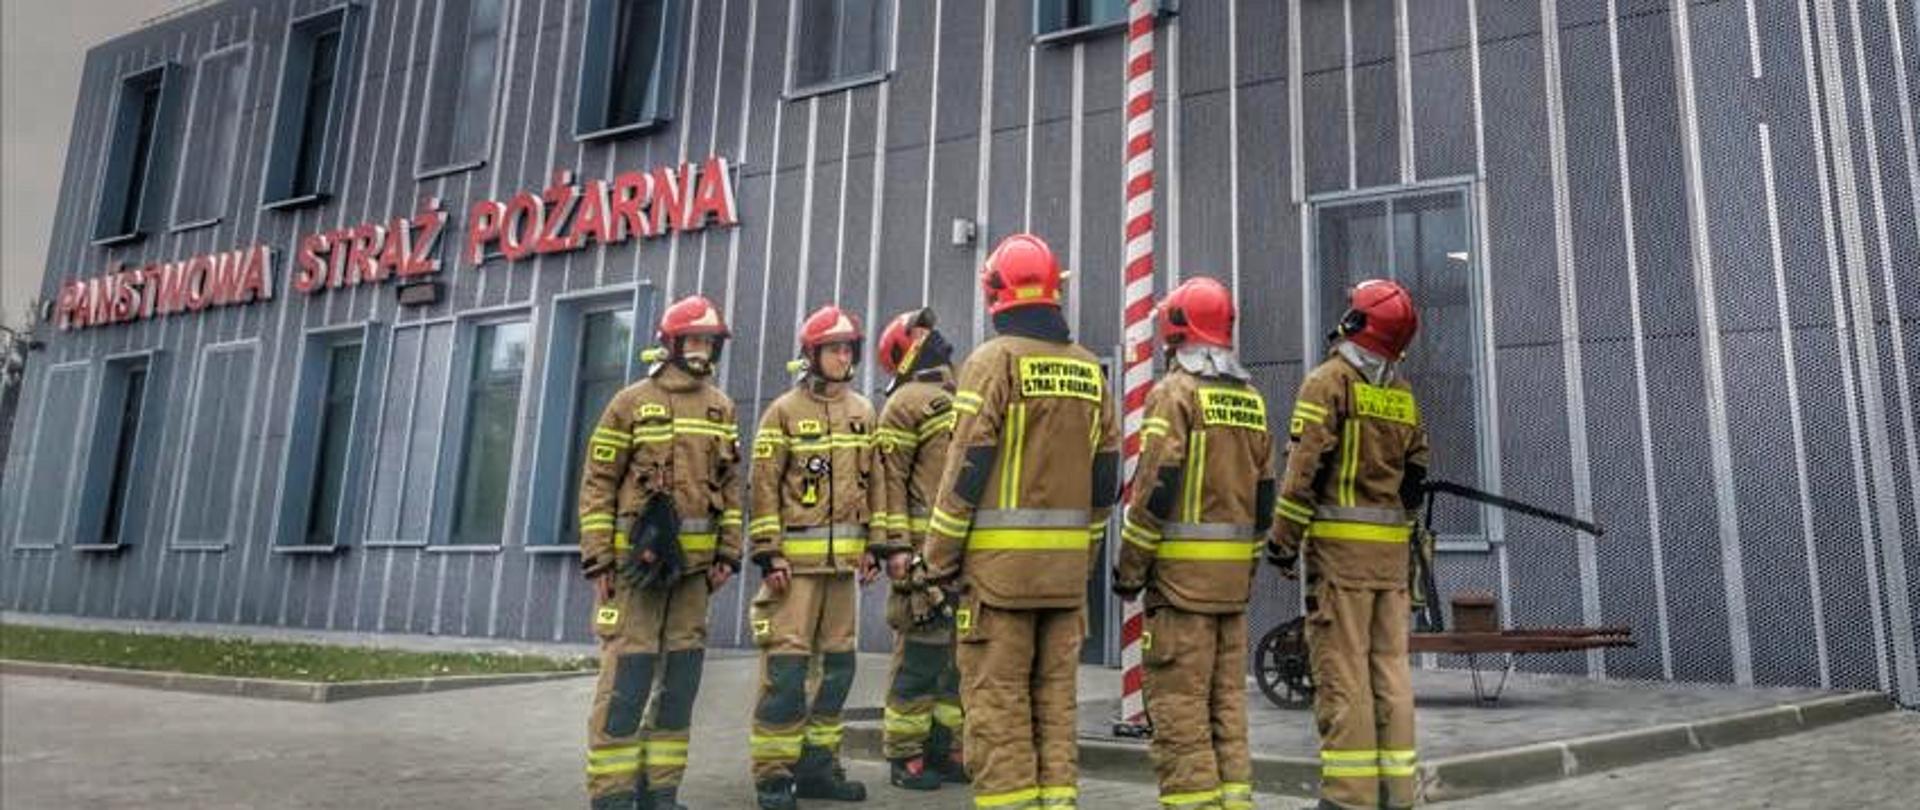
(1042, 376)
(1232, 407)
(1390, 404)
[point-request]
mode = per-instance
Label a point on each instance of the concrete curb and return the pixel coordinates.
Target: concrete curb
(268, 689)
(1488, 772)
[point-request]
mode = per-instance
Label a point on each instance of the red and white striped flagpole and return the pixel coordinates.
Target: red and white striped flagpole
(1137, 365)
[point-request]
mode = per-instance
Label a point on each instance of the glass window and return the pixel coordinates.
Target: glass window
(460, 103)
(336, 430)
(138, 130)
(1062, 16)
(630, 65)
(493, 405)
(606, 341)
(211, 463)
(126, 438)
(313, 91)
(1423, 240)
(213, 136)
(837, 41)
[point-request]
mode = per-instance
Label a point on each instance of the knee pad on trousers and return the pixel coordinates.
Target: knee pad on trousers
(920, 670)
(785, 701)
(836, 680)
(632, 679)
(680, 685)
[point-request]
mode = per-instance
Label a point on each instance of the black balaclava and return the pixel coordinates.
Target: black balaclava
(1038, 322)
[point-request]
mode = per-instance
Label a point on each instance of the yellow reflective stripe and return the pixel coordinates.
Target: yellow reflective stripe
(1058, 795)
(1012, 447)
(1184, 799)
(1310, 407)
(967, 402)
(764, 525)
(1236, 794)
(699, 542)
(1194, 479)
(1008, 799)
(1398, 762)
(1303, 412)
(1399, 770)
(820, 548)
(1139, 535)
(937, 424)
(1359, 532)
(918, 525)
(775, 747)
(1027, 540)
(1155, 426)
(901, 723)
(1293, 510)
(1349, 771)
(950, 715)
(588, 518)
(947, 524)
(730, 519)
(606, 761)
(826, 735)
(1350, 461)
(899, 438)
(695, 425)
(1349, 755)
(1208, 550)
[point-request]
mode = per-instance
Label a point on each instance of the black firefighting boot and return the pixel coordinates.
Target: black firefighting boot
(942, 759)
(775, 794)
(819, 776)
(662, 799)
(617, 801)
(913, 773)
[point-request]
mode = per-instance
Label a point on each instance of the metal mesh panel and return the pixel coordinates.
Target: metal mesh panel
(1325, 130)
(1443, 125)
(1376, 122)
(1625, 557)
(1836, 494)
(1275, 598)
(1696, 592)
(396, 424)
(1541, 556)
(213, 448)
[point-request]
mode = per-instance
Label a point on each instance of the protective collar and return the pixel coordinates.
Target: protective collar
(1210, 361)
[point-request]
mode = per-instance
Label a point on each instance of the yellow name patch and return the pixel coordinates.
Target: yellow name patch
(1227, 407)
(602, 452)
(808, 427)
(1391, 404)
(607, 614)
(652, 409)
(1060, 377)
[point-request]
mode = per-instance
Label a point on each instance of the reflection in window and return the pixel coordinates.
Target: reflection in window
(336, 429)
(460, 103)
(839, 40)
(493, 404)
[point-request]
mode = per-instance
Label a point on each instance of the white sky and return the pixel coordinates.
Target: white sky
(43, 44)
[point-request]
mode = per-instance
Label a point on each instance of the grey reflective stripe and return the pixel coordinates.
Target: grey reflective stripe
(696, 526)
(1031, 518)
(1382, 515)
(1207, 531)
(827, 532)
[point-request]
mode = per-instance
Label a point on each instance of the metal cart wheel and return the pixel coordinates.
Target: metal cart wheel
(1280, 666)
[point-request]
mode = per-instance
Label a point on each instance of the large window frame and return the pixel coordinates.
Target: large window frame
(556, 461)
(459, 421)
(837, 77)
(309, 424)
(115, 460)
(1053, 23)
(185, 469)
(440, 61)
(1316, 323)
(139, 140)
(195, 145)
(599, 39)
(44, 445)
(293, 106)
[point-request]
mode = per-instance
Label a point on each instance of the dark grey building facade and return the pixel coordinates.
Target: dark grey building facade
(1667, 255)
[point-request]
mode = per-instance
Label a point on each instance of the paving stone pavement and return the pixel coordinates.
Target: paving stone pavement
(1867, 763)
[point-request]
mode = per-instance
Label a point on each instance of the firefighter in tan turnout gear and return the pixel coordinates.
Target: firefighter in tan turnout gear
(923, 722)
(1030, 477)
(813, 500)
(659, 532)
(1356, 461)
(1200, 503)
